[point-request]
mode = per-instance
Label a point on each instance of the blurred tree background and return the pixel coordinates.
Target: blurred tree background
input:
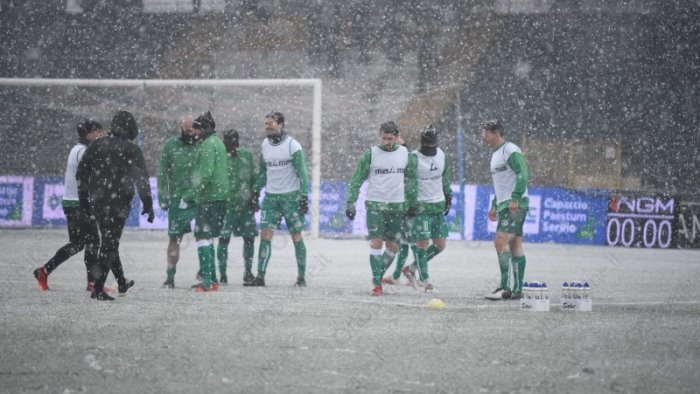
(598, 93)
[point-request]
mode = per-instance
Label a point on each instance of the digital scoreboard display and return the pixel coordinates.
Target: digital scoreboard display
(641, 221)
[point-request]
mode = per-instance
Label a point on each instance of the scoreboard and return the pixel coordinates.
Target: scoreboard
(641, 221)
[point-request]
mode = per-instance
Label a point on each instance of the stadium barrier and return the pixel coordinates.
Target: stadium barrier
(558, 215)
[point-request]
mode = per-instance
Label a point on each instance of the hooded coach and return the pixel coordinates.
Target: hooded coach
(106, 177)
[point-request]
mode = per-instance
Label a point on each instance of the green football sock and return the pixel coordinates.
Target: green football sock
(375, 262)
(300, 253)
(212, 264)
(206, 261)
(222, 256)
(400, 260)
(387, 259)
(504, 264)
(518, 266)
(522, 262)
(422, 258)
(264, 252)
(170, 272)
(248, 252)
(432, 251)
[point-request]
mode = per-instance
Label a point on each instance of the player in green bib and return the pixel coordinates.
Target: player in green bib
(509, 207)
(284, 175)
(434, 201)
(240, 218)
(389, 171)
(175, 177)
(210, 191)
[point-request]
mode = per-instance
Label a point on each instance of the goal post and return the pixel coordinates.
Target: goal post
(314, 83)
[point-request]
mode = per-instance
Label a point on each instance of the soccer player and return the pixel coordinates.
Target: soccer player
(391, 196)
(509, 207)
(82, 229)
(106, 176)
(209, 191)
(434, 202)
(175, 177)
(240, 218)
(284, 175)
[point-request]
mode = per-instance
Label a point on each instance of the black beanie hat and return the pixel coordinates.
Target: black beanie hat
(124, 125)
(429, 136)
(204, 122)
(231, 140)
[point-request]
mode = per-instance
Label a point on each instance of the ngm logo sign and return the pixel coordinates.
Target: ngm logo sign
(644, 206)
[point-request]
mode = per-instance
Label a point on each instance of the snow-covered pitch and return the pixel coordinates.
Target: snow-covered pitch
(642, 336)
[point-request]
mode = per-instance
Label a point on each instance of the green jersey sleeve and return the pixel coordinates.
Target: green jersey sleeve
(299, 163)
(261, 178)
(517, 163)
(231, 167)
(253, 172)
(359, 176)
(410, 180)
(447, 177)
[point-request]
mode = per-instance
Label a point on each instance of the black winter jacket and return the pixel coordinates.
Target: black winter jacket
(107, 173)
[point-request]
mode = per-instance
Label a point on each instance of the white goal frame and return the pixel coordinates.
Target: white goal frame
(145, 83)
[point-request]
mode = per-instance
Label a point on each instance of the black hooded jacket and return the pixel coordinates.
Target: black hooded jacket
(110, 167)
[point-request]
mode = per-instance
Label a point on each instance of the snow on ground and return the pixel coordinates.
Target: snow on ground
(643, 335)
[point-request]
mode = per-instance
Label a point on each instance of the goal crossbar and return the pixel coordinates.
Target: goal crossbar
(146, 83)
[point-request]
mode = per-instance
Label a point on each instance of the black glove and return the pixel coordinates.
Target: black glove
(350, 212)
(149, 211)
(448, 203)
(304, 204)
(254, 202)
(412, 212)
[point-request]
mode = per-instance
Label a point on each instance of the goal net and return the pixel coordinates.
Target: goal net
(41, 116)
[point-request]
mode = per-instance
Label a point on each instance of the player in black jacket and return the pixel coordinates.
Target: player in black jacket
(106, 176)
